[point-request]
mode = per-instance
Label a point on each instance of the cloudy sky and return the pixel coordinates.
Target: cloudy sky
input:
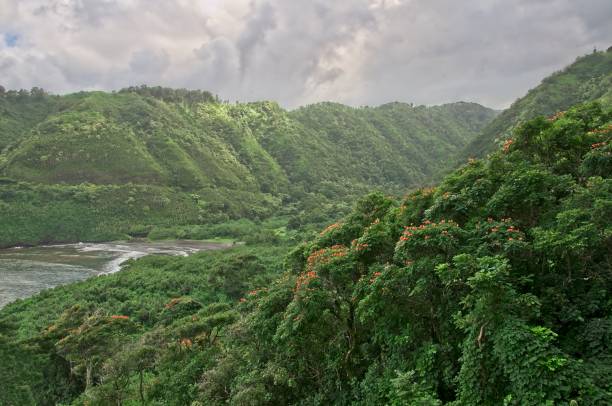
(298, 51)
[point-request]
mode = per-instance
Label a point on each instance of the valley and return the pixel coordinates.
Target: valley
(398, 254)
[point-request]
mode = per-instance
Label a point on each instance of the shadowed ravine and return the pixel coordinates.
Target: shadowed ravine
(26, 271)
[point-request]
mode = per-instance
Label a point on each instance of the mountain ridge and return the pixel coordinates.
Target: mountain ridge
(216, 143)
(588, 78)
(248, 160)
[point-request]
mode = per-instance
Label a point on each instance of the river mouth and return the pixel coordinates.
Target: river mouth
(29, 270)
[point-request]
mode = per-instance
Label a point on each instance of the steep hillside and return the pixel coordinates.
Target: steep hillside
(20, 112)
(587, 79)
(333, 149)
(118, 138)
(395, 144)
(229, 160)
(106, 138)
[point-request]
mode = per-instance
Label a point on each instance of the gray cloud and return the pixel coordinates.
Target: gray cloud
(149, 62)
(357, 52)
(261, 22)
(329, 75)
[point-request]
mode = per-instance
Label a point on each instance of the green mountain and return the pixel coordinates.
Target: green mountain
(492, 288)
(229, 160)
(395, 144)
(129, 136)
(589, 78)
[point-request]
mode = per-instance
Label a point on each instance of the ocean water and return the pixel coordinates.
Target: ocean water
(26, 271)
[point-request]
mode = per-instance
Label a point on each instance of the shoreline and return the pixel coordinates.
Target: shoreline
(38, 268)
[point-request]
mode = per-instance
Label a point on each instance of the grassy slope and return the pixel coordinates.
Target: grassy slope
(117, 138)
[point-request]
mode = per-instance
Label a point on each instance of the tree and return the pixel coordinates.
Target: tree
(37, 92)
(93, 341)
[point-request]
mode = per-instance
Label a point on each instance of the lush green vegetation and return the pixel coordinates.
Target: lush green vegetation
(145, 137)
(33, 214)
(587, 79)
(145, 312)
(94, 165)
(492, 288)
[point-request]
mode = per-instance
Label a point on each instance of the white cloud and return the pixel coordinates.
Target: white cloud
(297, 52)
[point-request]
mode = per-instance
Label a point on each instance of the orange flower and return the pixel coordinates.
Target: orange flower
(330, 228)
(172, 302)
(556, 116)
(375, 275)
(304, 279)
(604, 130)
(325, 255)
(361, 247)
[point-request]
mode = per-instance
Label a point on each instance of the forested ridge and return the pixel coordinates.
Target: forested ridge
(589, 78)
(124, 162)
(157, 161)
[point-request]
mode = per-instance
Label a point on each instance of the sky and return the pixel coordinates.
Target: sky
(297, 52)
